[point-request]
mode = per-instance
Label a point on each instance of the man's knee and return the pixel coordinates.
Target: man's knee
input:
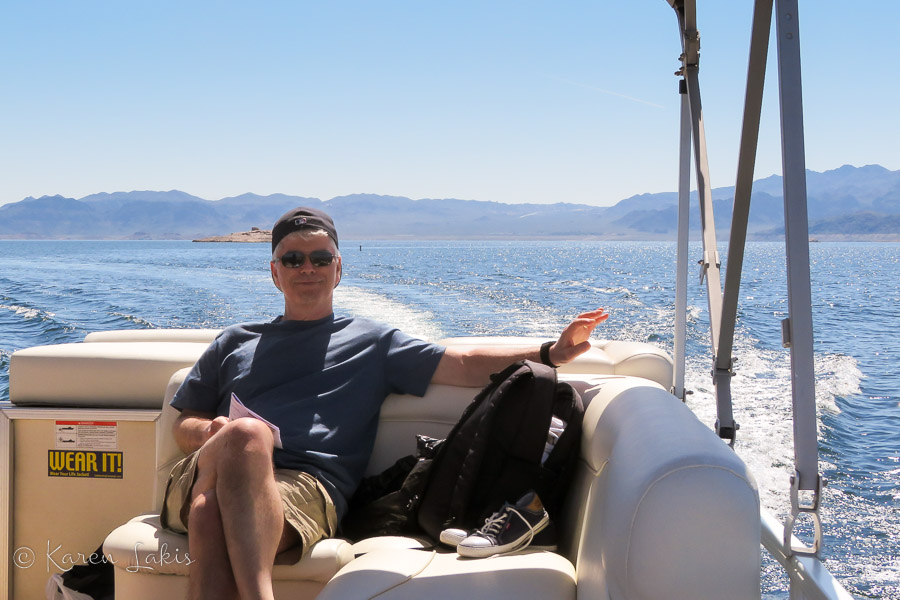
(248, 435)
(238, 442)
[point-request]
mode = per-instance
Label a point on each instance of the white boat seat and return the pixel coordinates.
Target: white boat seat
(659, 506)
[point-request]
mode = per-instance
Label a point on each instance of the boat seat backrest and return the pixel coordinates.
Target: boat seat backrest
(119, 375)
(605, 357)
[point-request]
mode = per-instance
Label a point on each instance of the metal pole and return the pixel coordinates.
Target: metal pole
(756, 75)
(684, 206)
(797, 329)
(710, 263)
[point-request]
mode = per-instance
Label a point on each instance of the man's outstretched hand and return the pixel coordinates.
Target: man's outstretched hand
(575, 338)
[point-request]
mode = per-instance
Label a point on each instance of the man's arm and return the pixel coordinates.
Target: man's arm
(472, 367)
(193, 428)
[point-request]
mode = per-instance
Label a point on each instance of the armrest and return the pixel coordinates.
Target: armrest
(674, 512)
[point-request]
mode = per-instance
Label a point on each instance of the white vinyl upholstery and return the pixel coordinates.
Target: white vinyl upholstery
(98, 375)
(416, 574)
(606, 357)
(675, 512)
(202, 336)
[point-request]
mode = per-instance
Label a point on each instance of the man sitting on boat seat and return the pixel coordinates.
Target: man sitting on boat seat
(321, 380)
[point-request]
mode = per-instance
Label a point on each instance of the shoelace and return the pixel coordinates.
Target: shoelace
(494, 523)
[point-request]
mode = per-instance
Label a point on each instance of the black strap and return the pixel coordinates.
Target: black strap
(545, 354)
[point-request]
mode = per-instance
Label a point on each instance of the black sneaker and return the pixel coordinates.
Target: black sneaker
(511, 528)
(545, 539)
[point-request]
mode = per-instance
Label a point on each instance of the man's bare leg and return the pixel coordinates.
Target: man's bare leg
(210, 569)
(235, 472)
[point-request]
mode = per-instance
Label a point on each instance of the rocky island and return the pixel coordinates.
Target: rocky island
(254, 235)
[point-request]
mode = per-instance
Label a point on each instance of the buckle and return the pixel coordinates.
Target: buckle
(812, 509)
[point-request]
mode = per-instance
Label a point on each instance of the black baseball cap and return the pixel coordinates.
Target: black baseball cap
(302, 218)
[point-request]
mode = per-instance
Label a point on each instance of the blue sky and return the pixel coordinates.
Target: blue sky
(503, 101)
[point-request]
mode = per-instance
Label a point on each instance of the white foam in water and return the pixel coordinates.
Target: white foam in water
(836, 376)
(28, 313)
(133, 319)
(529, 322)
(371, 305)
(761, 397)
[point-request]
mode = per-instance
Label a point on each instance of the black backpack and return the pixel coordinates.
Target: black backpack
(494, 453)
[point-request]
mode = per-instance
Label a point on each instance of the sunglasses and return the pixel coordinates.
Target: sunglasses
(295, 259)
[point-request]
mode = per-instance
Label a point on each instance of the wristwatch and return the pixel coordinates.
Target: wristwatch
(545, 354)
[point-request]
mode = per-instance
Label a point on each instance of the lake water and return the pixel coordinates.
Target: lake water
(55, 292)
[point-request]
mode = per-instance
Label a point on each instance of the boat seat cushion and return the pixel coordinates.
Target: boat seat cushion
(130, 369)
(415, 574)
(98, 375)
(202, 336)
(142, 545)
(606, 357)
(391, 542)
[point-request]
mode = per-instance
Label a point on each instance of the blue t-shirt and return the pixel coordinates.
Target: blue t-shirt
(321, 382)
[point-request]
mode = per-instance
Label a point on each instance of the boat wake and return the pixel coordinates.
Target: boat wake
(372, 305)
(762, 405)
(761, 390)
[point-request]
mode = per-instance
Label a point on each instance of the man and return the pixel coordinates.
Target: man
(321, 379)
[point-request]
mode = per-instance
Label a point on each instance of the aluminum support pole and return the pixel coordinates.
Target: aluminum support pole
(684, 208)
(756, 75)
(797, 329)
(710, 263)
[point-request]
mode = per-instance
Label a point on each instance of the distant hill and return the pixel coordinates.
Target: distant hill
(845, 203)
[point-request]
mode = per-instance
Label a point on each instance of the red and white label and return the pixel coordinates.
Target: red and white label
(87, 435)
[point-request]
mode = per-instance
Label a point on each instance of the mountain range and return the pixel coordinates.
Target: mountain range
(845, 203)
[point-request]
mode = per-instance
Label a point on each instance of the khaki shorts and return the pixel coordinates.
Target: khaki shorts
(307, 506)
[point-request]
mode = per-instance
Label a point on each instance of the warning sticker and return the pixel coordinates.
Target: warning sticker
(87, 435)
(84, 463)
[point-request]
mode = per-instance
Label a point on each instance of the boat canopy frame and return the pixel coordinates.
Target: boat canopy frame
(809, 579)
